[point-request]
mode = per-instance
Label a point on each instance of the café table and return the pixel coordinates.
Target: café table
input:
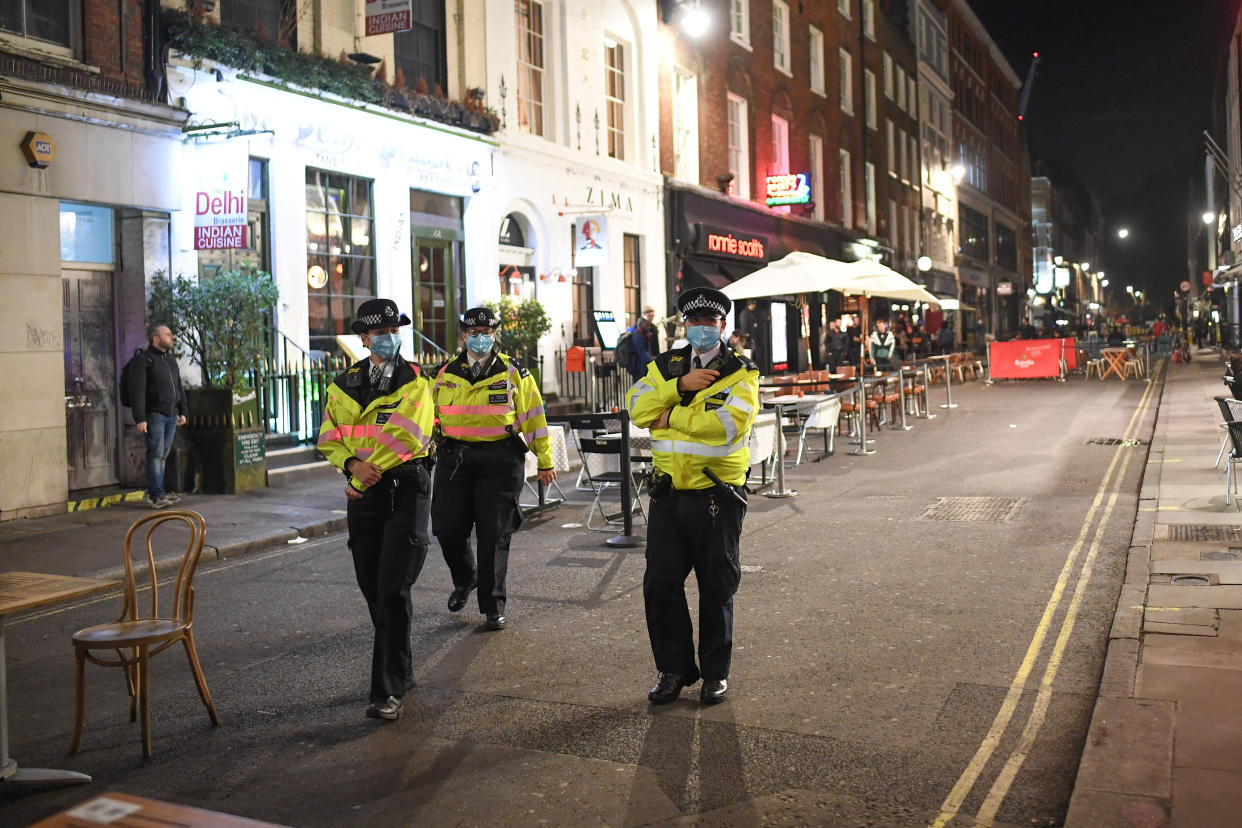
(948, 380)
(121, 809)
(22, 591)
(780, 403)
(1114, 362)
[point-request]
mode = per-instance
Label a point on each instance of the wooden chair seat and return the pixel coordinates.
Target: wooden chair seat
(129, 633)
(136, 639)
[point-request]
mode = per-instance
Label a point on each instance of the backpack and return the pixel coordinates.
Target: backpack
(138, 362)
(622, 352)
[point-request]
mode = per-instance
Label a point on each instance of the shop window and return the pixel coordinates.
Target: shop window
(530, 65)
(58, 22)
(86, 233)
(630, 245)
(257, 251)
(262, 17)
(614, 97)
(419, 52)
(340, 252)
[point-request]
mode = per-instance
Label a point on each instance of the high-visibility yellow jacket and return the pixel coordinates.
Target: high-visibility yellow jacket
(706, 429)
(504, 401)
(386, 429)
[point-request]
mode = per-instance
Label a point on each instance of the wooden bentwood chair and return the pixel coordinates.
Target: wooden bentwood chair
(136, 638)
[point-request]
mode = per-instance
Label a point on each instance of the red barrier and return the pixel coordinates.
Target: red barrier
(1071, 354)
(1024, 359)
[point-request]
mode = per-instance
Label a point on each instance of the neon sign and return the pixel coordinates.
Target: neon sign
(714, 241)
(790, 188)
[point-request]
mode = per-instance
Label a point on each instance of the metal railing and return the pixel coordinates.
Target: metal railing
(600, 387)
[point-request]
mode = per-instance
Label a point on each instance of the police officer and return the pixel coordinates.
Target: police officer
(699, 402)
(491, 414)
(377, 429)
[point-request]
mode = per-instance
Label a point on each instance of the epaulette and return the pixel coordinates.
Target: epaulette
(748, 363)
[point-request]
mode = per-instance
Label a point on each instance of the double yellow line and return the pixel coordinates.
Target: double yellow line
(1103, 504)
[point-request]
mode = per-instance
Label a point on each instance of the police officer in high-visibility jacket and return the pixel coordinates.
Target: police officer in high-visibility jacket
(377, 429)
(699, 402)
(491, 414)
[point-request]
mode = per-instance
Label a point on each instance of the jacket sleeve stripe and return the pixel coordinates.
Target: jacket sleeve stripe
(398, 448)
(329, 435)
(689, 447)
(535, 411)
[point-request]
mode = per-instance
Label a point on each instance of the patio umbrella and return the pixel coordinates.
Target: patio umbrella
(869, 278)
(796, 273)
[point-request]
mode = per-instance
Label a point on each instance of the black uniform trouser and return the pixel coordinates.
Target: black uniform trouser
(388, 539)
(477, 486)
(684, 534)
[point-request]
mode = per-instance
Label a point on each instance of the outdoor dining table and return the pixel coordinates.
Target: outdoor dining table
(780, 403)
(1114, 362)
(948, 380)
(22, 591)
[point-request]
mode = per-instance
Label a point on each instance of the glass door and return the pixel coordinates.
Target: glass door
(435, 293)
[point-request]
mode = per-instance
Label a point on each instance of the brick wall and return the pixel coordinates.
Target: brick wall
(112, 43)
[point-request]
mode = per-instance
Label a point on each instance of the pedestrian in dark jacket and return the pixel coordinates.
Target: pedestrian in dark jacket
(836, 344)
(158, 402)
(641, 335)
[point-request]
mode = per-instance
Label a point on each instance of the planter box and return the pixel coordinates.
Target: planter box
(223, 424)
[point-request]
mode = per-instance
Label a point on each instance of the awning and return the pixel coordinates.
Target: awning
(697, 272)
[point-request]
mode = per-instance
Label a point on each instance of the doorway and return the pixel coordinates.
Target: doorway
(90, 377)
(435, 292)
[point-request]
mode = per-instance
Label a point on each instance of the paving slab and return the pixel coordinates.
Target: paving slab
(1203, 798)
(1217, 597)
(1132, 748)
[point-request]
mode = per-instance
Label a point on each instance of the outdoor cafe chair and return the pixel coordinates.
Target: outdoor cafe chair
(822, 417)
(552, 495)
(136, 638)
(1132, 366)
(601, 450)
(1235, 456)
(1229, 410)
(762, 443)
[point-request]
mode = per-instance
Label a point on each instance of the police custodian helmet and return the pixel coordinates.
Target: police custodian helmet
(703, 301)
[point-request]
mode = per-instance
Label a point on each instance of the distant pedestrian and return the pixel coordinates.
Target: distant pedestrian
(945, 341)
(157, 400)
(882, 346)
(836, 345)
(377, 430)
(639, 351)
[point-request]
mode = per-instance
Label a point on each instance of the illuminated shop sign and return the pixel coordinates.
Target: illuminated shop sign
(790, 188)
(715, 241)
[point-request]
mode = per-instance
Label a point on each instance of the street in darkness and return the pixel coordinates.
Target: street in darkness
(886, 664)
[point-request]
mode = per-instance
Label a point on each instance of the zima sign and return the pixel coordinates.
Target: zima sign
(220, 196)
(384, 16)
(790, 188)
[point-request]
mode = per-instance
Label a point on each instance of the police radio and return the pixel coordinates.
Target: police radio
(384, 385)
(716, 364)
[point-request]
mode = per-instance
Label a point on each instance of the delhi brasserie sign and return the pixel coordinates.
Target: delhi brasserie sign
(386, 16)
(220, 197)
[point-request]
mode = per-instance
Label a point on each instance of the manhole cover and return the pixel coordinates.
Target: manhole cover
(995, 509)
(1231, 554)
(1203, 532)
(1113, 441)
(1190, 580)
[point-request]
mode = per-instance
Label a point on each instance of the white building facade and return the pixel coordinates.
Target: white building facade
(578, 199)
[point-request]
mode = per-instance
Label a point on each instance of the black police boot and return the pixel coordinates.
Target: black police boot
(714, 691)
(668, 688)
(457, 599)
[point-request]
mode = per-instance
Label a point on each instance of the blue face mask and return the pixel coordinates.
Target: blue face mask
(480, 344)
(703, 337)
(385, 346)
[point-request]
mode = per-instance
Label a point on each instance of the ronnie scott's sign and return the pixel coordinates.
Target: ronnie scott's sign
(220, 180)
(714, 241)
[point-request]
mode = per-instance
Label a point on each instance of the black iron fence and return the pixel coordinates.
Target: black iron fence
(593, 384)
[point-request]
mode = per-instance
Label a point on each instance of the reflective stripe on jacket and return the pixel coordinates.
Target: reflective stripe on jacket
(386, 429)
(709, 430)
(505, 400)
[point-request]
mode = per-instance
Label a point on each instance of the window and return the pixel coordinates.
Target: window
(419, 52)
(888, 76)
(847, 190)
(584, 305)
(974, 233)
(869, 93)
(262, 17)
(914, 157)
(890, 152)
(685, 125)
(905, 155)
(817, 177)
(846, 76)
(780, 146)
(51, 21)
(910, 93)
(739, 21)
(530, 65)
(1006, 248)
(739, 146)
(780, 36)
(869, 186)
(338, 240)
(843, 6)
(892, 224)
(868, 16)
(86, 233)
(817, 61)
(633, 278)
(257, 250)
(614, 97)
(901, 90)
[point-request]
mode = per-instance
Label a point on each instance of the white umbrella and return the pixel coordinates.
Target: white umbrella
(871, 278)
(796, 273)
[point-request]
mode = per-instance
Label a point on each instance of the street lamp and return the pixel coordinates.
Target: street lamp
(695, 21)
(1209, 217)
(958, 172)
(1103, 283)
(1123, 233)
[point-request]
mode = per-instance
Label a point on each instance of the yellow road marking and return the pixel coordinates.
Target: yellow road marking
(966, 782)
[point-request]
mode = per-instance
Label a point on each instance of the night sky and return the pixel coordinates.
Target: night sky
(1121, 96)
